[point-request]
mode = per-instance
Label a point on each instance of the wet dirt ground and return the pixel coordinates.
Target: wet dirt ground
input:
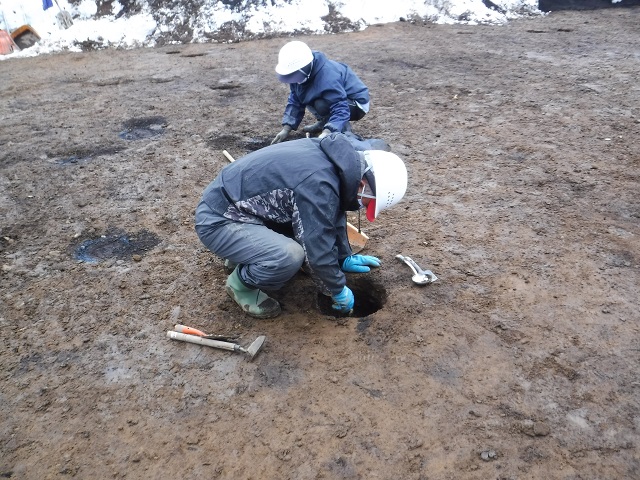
(520, 362)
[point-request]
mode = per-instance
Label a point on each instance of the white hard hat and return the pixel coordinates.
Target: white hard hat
(389, 179)
(292, 57)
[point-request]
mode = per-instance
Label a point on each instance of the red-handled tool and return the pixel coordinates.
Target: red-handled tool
(200, 333)
(193, 335)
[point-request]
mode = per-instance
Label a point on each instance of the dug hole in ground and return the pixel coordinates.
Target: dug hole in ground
(520, 362)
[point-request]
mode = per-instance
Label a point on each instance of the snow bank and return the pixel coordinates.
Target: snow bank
(135, 24)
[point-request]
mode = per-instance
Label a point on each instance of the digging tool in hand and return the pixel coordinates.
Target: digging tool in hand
(193, 335)
(357, 238)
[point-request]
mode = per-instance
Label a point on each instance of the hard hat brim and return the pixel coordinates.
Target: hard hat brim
(295, 77)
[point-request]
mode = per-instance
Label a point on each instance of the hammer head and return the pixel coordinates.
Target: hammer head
(253, 349)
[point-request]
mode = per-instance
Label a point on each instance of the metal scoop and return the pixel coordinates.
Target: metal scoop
(420, 277)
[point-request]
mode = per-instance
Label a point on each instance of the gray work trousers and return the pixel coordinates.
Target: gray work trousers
(267, 259)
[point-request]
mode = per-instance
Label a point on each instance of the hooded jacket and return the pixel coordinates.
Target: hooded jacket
(334, 82)
(307, 184)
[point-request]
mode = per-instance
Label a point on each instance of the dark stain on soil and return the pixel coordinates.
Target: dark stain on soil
(224, 86)
(121, 246)
(82, 155)
(141, 128)
(256, 143)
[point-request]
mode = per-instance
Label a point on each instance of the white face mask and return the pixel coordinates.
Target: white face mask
(306, 75)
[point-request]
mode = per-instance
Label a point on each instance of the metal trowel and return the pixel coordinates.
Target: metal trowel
(420, 276)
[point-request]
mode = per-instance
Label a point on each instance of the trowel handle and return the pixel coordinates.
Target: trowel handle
(410, 263)
(416, 268)
(184, 337)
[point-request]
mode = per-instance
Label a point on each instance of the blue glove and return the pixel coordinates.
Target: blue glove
(343, 302)
(359, 263)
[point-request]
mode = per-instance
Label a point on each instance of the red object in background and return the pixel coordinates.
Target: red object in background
(25, 37)
(7, 45)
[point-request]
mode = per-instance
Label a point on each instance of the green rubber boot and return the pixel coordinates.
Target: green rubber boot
(252, 300)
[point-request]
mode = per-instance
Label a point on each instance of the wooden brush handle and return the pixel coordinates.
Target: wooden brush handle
(228, 155)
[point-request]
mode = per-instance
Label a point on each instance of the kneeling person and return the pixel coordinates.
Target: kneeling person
(330, 90)
(308, 185)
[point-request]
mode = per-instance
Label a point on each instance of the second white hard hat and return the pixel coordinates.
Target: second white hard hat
(292, 57)
(390, 178)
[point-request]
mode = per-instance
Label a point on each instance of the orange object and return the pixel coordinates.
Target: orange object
(190, 330)
(199, 333)
(7, 45)
(25, 36)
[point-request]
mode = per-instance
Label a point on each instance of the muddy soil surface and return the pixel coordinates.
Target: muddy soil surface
(520, 362)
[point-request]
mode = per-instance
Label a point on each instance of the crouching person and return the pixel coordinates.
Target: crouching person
(330, 90)
(306, 185)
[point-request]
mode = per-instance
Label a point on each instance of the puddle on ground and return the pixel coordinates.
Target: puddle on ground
(141, 128)
(121, 246)
(369, 296)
